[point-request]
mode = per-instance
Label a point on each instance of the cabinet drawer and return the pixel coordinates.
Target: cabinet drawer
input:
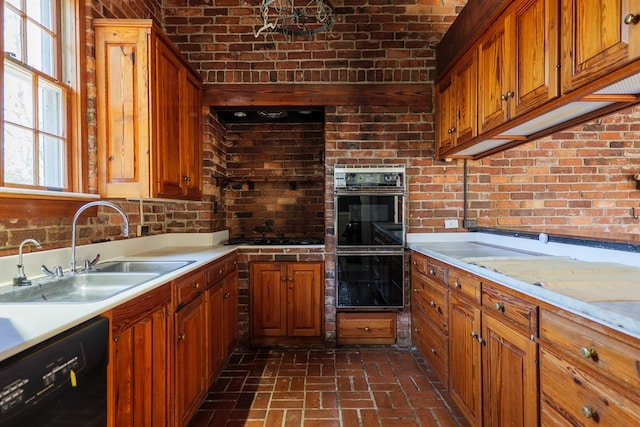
(220, 268)
(366, 328)
(595, 349)
(431, 343)
(431, 299)
(418, 263)
(464, 284)
(188, 287)
(506, 306)
(581, 397)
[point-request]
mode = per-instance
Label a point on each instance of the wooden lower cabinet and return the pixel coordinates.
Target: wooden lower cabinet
(229, 312)
(286, 302)
(138, 370)
(465, 363)
(509, 375)
(190, 368)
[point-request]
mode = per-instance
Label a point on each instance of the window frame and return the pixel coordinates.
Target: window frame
(72, 24)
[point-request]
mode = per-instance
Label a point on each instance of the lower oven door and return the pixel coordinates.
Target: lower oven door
(370, 280)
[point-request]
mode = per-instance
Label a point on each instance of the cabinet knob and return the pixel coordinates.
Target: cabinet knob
(631, 19)
(366, 329)
(457, 284)
(432, 303)
(195, 285)
(480, 340)
(416, 330)
(416, 290)
(181, 337)
(499, 306)
(588, 353)
(227, 295)
(432, 272)
(434, 351)
(186, 178)
(220, 271)
(473, 334)
(589, 412)
(415, 262)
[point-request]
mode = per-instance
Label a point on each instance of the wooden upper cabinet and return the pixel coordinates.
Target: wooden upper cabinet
(495, 81)
(535, 26)
(596, 40)
(457, 105)
(148, 111)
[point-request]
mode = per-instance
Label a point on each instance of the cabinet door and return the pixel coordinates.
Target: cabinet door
(122, 111)
(268, 300)
(230, 312)
(536, 32)
(495, 83)
(465, 370)
(444, 115)
(510, 376)
(304, 299)
(216, 333)
(465, 99)
(191, 136)
(166, 110)
(190, 359)
(595, 39)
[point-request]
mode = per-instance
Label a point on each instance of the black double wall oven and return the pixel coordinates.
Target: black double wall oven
(370, 236)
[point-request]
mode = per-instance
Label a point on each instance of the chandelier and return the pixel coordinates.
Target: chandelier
(296, 17)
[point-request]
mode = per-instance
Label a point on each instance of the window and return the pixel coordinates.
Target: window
(37, 85)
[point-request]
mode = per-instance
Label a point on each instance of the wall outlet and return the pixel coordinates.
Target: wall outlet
(470, 224)
(450, 223)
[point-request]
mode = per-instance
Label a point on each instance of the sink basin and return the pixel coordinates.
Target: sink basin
(157, 267)
(76, 288)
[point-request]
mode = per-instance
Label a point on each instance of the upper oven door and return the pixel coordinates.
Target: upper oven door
(366, 219)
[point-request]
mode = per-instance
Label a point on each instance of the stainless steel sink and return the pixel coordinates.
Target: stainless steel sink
(78, 288)
(158, 267)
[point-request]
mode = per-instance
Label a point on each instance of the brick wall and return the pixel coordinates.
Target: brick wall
(276, 176)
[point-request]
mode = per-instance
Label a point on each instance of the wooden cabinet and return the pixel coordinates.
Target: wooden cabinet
(518, 62)
(190, 345)
(138, 370)
(456, 119)
(595, 44)
(286, 301)
(366, 328)
(229, 312)
(430, 313)
(149, 114)
(588, 373)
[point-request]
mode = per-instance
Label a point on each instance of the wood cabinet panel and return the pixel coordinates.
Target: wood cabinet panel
(268, 300)
(216, 333)
(592, 346)
(366, 328)
(304, 300)
(188, 287)
(230, 312)
(465, 365)
(510, 375)
(507, 306)
(431, 299)
(581, 397)
(432, 344)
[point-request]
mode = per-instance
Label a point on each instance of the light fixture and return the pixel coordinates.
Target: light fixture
(240, 114)
(273, 114)
(296, 17)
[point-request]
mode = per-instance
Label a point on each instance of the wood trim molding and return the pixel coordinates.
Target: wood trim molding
(280, 94)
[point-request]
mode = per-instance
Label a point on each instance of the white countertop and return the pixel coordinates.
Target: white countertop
(454, 248)
(25, 324)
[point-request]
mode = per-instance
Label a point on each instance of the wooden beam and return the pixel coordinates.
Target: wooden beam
(292, 95)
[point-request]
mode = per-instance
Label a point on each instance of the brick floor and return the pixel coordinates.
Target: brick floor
(343, 387)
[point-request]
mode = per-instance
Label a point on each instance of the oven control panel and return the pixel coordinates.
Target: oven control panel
(349, 177)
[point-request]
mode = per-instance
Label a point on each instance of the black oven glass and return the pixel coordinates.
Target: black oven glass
(366, 220)
(370, 280)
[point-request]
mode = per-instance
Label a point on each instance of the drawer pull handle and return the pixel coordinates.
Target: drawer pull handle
(499, 306)
(588, 353)
(588, 412)
(457, 285)
(432, 272)
(432, 303)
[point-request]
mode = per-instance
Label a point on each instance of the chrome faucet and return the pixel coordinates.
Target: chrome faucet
(21, 278)
(81, 209)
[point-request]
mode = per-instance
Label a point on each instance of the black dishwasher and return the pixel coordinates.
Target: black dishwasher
(60, 382)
